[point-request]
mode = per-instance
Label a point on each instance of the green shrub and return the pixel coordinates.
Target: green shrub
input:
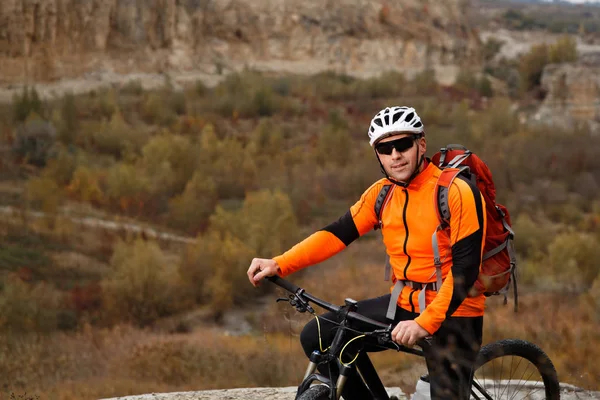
(233, 167)
(335, 143)
(388, 84)
(25, 104)
(267, 141)
(246, 94)
(85, 186)
(69, 119)
(424, 83)
(15, 256)
(491, 47)
(168, 161)
(100, 105)
(155, 109)
(44, 194)
(125, 186)
(467, 81)
(133, 87)
(532, 237)
(595, 297)
(143, 286)
(563, 50)
(34, 141)
(485, 87)
(190, 210)
(266, 222)
(573, 258)
(112, 137)
(532, 65)
(62, 167)
(499, 120)
(28, 307)
(215, 267)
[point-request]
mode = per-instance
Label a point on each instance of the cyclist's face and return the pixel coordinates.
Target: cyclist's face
(401, 164)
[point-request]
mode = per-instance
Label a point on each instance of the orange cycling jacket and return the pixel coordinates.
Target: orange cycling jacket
(408, 221)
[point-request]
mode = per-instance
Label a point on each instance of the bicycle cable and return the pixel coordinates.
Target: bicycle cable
(319, 333)
(344, 348)
(361, 334)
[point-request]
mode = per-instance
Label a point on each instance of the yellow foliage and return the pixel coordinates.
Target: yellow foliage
(28, 307)
(168, 161)
(143, 286)
(563, 50)
(214, 265)
(125, 185)
(573, 258)
(266, 222)
(190, 210)
(156, 110)
(43, 193)
(85, 186)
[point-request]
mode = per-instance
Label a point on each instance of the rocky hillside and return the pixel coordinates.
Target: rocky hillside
(573, 93)
(45, 40)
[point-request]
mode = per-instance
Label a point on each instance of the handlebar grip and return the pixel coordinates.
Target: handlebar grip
(287, 285)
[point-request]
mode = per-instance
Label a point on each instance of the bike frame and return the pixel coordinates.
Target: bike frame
(300, 299)
(363, 363)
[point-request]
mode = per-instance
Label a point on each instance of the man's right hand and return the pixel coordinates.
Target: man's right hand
(260, 268)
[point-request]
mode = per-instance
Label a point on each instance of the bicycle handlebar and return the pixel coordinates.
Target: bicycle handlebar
(290, 287)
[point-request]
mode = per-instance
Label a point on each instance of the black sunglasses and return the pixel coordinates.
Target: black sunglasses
(401, 145)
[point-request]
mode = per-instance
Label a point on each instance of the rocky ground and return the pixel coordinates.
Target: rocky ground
(287, 393)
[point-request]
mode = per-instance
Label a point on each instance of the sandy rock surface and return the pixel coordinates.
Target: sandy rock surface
(286, 393)
(568, 392)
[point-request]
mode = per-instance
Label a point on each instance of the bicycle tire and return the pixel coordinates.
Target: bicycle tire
(317, 392)
(498, 385)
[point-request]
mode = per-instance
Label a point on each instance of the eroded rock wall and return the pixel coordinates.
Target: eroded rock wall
(50, 39)
(573, 93)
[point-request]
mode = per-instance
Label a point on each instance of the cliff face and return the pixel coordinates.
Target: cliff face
(49, 39)
(573, 93)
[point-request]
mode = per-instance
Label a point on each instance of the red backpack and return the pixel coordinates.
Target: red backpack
(499, 260)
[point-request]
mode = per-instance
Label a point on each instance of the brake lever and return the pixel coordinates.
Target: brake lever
(296, 301)
(302, 305)
(384, 336)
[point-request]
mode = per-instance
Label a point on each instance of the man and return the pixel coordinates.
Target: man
(423, 303)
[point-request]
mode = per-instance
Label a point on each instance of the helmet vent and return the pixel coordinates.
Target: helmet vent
(394, 120)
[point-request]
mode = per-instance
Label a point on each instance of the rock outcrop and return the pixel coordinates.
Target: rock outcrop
(573, 93)
(44, 40)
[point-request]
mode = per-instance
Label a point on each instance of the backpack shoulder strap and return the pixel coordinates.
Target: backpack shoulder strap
(380, 202)
(441, 192)
(382, 198)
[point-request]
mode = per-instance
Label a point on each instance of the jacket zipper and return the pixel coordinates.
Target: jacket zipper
(410, 300)
(406, 230)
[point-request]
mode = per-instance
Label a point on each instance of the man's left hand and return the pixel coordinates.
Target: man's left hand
(408, 332)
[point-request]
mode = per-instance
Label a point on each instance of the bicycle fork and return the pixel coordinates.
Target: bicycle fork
(310, 375)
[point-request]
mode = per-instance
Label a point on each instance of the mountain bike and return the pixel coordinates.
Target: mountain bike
(509, 368)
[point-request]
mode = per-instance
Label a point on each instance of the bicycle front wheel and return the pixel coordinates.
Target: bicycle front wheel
(317, 392)
(514, 369)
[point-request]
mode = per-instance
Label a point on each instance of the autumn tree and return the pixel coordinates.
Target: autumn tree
(143, 285)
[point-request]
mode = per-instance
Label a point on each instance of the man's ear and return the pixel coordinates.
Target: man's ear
(422, 145)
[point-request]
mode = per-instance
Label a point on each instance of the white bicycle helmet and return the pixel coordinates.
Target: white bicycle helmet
(394, 120)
